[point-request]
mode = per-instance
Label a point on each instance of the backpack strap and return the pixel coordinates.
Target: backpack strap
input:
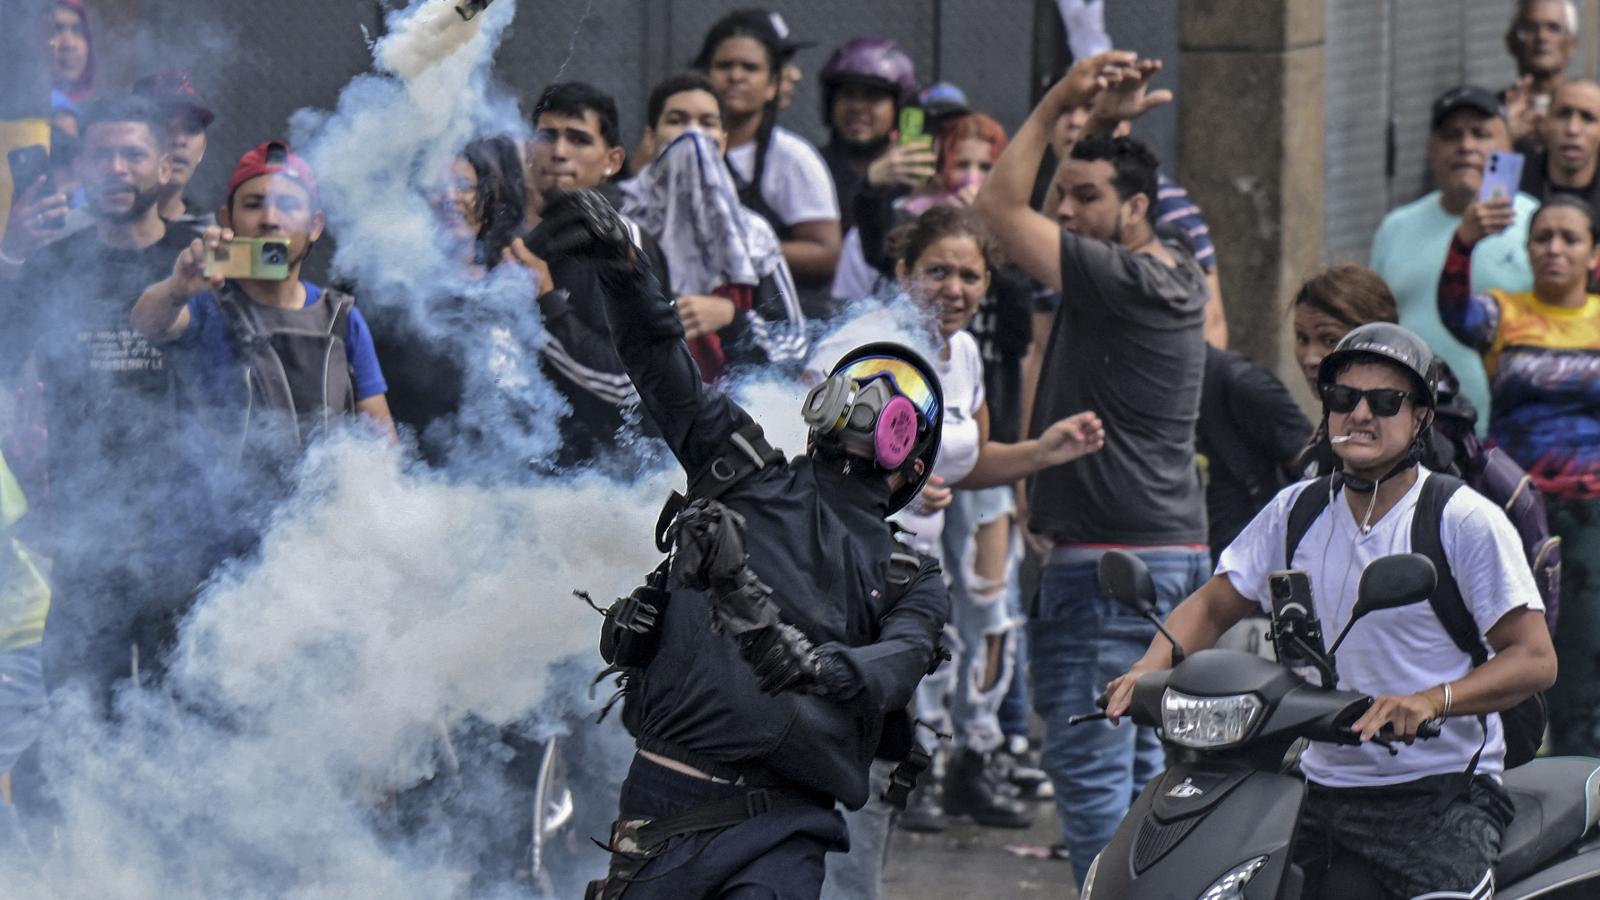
(1446, 601)
(1310, 504)
(745, 453)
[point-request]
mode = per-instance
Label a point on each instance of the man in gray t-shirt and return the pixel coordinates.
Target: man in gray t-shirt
(1128, 342)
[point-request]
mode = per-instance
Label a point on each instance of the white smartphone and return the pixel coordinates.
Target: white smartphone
(1501, 176)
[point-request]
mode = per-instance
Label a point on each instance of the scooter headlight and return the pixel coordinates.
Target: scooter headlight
(1206, 723)
(1231, 885)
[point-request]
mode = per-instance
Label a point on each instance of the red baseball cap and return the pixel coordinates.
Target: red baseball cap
(273, 158)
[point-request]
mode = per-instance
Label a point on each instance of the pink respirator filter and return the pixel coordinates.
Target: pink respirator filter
(895, 433)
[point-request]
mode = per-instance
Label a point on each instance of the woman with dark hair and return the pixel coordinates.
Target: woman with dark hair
(482, 206)
(780, 175)
(1541, 350)
(479, 212)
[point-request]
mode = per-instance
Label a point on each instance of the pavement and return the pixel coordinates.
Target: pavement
(972, 861)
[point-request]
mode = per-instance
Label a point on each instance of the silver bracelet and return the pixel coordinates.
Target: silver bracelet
(1446, 711)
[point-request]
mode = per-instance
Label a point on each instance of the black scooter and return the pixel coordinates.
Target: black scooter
(1219, 824)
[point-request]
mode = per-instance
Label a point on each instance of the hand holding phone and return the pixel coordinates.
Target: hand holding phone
(913, 122)
(253, 259)
(1502, 175)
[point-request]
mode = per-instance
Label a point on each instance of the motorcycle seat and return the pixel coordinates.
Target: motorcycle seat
(1552, 811)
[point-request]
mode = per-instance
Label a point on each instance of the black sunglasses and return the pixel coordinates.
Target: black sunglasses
(1383, 402)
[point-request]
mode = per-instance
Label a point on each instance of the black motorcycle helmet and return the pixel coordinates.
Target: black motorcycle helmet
(1390, 343)
(928, 400)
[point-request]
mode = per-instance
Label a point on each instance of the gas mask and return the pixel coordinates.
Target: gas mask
(882, 404)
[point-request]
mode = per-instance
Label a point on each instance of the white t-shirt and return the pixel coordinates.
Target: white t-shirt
(1397, 651)
(854, 277)
(796, 183)
(961, 378)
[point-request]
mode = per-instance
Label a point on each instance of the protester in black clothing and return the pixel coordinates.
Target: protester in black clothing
(760, 757)
(1250, 432)
(122, 506)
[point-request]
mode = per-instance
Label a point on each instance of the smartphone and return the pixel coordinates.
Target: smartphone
(1502, 175)
(254, 259)
(1294, 613)
(913, 122)
(27, 165)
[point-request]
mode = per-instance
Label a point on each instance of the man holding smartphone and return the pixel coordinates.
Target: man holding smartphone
(1468, 126)
(272, 204)
(120, 487)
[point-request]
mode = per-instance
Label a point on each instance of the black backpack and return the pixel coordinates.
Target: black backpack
(1524, 723)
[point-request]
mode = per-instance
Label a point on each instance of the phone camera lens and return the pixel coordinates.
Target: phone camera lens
(275, 254)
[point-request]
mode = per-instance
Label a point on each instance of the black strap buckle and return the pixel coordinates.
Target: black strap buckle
(757, 802)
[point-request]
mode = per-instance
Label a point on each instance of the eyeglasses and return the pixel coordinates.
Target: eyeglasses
(1384, 402)
(905, 377)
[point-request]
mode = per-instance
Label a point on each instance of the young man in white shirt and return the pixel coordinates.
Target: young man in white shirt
(1411, 822)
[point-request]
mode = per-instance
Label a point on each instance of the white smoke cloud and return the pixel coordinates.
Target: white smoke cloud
(318, 681)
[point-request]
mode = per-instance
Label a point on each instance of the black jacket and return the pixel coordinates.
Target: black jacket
(819, 538)
(1250, 430)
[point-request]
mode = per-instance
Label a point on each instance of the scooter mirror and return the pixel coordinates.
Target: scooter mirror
(1389, 583)
(1395, 581)
(1125, 579)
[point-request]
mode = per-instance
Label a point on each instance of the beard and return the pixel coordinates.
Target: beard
(143, 200)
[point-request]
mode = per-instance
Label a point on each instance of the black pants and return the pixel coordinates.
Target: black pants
(778, 854)
(1422, 837)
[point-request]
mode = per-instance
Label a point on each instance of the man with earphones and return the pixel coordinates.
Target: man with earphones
(1429, 820)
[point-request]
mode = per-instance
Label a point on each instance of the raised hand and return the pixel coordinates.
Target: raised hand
(1085, 80)
(518, 252)
(189, 276)
(35, 218)
(583, 224)
(1127, 95)
(1485, 217)
(910, 165)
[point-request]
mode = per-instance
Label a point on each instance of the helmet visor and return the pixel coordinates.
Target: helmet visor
(907, 379)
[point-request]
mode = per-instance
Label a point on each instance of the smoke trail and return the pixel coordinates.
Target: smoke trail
(317, 682)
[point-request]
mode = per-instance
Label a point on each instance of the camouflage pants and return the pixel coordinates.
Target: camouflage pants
(1575, 699)
(1402, 841)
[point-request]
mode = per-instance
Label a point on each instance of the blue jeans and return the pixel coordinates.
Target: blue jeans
(1078, 640)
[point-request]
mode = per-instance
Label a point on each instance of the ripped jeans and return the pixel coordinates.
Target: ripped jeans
(963, 697)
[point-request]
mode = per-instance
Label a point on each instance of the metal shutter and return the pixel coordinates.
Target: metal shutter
(1356, 115)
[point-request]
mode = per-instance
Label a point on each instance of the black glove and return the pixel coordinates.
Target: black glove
(836, 680)
(780, 656)
(582, 224)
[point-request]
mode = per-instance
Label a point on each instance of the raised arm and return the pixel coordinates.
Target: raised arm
(1029, 238)
(162, 311)
(1474, 319)
(694, 419)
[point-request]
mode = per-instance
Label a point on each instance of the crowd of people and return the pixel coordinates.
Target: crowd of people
(167, 353)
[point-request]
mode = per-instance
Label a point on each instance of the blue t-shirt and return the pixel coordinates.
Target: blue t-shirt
(207, 335)
(1409, 252)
